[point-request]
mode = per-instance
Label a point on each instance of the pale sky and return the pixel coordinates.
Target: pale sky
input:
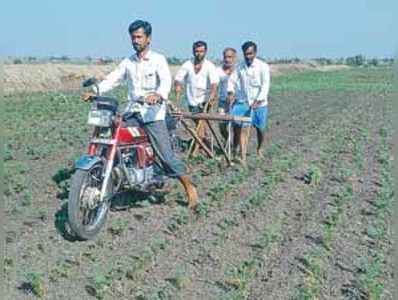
(282, 28)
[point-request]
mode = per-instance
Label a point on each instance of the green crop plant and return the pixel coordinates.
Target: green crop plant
(35, 281)
(313, 175)
(239, 279)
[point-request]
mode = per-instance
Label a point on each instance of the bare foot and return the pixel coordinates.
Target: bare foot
(242, 162)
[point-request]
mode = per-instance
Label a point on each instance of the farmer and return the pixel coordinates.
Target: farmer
(200, 79)
(147, 75)
(248, 89)
(224, 73)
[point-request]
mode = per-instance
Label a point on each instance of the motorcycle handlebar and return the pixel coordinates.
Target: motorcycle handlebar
(140, 100)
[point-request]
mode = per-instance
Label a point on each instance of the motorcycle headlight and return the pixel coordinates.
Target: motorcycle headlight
(100, 118)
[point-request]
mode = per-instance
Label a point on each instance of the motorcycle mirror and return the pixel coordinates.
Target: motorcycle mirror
(89, 82)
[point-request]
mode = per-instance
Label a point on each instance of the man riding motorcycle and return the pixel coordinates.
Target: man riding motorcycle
(148, 77)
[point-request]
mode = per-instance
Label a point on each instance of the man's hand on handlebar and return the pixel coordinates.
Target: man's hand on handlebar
(87, 96)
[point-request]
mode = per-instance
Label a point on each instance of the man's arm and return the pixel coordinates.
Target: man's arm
(110, 81)
(231, 88)
(231, 98)
(178, 82)
(178, 90)
(114, 78)
(213, 94)
(214, 80)
(164, 77)
(265, 84)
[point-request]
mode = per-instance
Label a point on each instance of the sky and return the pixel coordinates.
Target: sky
(281, 29)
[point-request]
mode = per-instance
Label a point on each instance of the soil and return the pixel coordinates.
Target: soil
(259, 234)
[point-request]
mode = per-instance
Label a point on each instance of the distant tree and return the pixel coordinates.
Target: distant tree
(174, 61)
(105, 61)
(296, 60)
(387, 60)
(324, 61)
(283, 61)
(17, 61)
(373, 62)
(357, 60)
(217, 61)
(340, 61)
(64, 58)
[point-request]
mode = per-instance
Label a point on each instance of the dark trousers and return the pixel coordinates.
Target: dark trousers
(196, 109)
(160, 140)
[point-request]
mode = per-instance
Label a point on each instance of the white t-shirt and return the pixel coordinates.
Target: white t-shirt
(197, 86)
(223, 85)
(251, 83)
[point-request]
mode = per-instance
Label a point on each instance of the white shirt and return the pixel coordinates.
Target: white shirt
(151, 74)
(251, 83)
(223, 85)
(197, 85)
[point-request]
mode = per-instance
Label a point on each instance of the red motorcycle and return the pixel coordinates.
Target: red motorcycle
(118, 157)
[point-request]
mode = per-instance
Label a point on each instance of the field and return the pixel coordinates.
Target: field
(312, 219)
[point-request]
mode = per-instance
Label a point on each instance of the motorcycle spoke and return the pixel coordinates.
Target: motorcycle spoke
(91, 209)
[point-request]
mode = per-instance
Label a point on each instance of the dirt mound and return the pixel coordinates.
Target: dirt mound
(280, 69)
(48, 77)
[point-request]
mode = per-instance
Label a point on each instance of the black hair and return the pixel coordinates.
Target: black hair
(249, 44)
(141, 24)
(199, 44)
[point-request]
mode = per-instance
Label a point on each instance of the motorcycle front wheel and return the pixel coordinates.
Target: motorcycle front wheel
(86, 214)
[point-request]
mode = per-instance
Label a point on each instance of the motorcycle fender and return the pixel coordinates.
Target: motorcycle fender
(85, 162)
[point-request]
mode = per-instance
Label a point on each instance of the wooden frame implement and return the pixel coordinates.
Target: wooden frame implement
(204, 119)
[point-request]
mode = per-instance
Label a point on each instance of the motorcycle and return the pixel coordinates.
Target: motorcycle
(118, 158)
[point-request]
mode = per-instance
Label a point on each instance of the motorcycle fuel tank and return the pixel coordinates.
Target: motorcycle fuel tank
(132, 135)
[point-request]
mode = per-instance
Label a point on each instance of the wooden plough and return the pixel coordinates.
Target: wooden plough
(204, 120)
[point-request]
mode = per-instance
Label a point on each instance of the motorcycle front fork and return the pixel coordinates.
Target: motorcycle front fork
(108, 172)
